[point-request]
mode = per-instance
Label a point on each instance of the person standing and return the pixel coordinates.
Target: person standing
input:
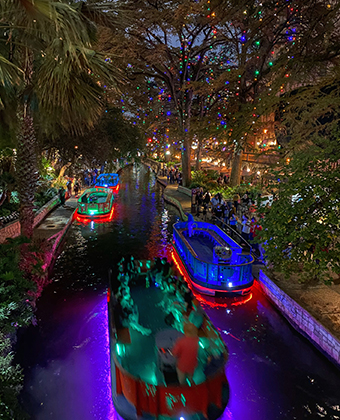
(236, 200)
(171, 176)
(69, 188)
(76, 189)
(233, 218)
(186, 351)
(61, 193)
(245, 228)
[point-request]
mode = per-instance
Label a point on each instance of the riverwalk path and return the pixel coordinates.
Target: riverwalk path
(56, 220)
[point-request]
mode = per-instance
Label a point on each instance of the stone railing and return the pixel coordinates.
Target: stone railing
(12, 230)
(301, 320)
(154, 164)
(184, 190)
(44, 210)
(175, 203)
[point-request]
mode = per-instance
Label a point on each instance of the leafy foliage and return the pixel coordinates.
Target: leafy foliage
(15, 311)
(301, 229)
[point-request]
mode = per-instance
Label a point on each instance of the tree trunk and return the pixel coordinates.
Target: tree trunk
(199, 155)
(236, 167)
(62, 171)
(3, 197)
(26, 173)
(186, 163)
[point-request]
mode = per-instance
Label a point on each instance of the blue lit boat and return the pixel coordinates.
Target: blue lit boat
(213, 262)
(108, 181)
(143, 378)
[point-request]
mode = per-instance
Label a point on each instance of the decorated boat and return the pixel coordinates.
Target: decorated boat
(95, 203)
(145, 384)
(108, 181)
(211, 260)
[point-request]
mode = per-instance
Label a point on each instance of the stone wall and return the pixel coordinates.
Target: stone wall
(175, 203)
(12, 230)
(153, 164)
(43, 212)
(55, 241)
(302, 320)
(184, 190)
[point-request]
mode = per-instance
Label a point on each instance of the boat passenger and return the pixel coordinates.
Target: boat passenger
(131, 267)
(156, 269)
(190, 225)
(186, 351)
(187, 295)
(131, 312)
(164, 275)
(84, 198)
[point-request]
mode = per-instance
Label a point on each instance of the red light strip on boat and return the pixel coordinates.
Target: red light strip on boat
(199, 297)
(102, 218)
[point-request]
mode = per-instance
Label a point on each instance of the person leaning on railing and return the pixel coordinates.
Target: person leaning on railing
(233, 218)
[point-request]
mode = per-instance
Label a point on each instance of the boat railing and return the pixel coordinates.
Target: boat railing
(120, 337)
(213, 273)
(94, 207)
(99, 208)
(236, 236)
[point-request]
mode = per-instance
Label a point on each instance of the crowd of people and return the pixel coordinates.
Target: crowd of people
(240, 213)
(181, 310)
(76, 184)
(177, 297)
(173, 175)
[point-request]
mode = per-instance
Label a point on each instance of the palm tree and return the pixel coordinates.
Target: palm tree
(48, 62)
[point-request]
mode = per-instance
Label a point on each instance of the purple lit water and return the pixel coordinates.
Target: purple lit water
(273, 372)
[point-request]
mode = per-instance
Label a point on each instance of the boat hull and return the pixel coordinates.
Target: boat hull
(203, 288)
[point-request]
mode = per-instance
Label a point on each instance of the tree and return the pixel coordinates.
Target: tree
(301, 229)
(52, 70)
(170, 43)
(112, 138)
(231, 55)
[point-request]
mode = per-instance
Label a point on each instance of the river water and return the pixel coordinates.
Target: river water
(274, 373)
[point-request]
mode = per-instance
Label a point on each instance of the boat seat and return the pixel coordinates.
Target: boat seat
(214, 235)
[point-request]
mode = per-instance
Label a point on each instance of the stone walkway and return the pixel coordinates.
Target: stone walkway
(56, 220)
(321, 301)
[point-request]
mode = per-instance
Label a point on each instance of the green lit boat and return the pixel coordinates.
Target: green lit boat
(95, 203)
(143, 376)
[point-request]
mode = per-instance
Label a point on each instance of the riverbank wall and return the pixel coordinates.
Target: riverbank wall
(301, 319)
(12, 230)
